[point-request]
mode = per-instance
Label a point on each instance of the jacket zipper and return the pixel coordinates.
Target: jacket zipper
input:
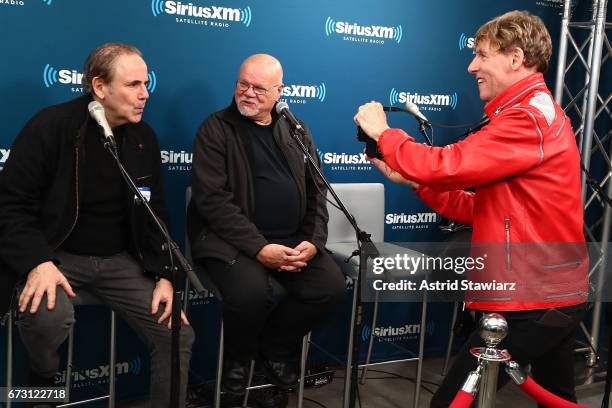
(517, 96)
(507, 228)
(76, 215)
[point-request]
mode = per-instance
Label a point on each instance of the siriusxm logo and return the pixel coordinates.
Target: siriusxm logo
(126, 367)
(343, 158)
(345, 161)
(391, 333)
(4, 154)
(305, 91)
(431, 100)
(242, 15)
(554, 3)
(172, 157)
(52, 76)
(20, 2)
(194, 296)
(466, 42)
(152, 81)
(375, 33)
(401, 218)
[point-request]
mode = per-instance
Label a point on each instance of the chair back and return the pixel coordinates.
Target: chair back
(366, 202)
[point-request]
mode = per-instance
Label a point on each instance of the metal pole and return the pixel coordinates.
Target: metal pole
(589, 123)
(113, 361)
(419, 372)
(349, 354)
(562, 59)
(591, 78)
(488, 384)
(493, 329)
(9, 354)
(364, 370)
(451, 337)
(303, 358)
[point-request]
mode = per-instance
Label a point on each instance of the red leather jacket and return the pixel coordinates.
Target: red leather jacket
(525, 167)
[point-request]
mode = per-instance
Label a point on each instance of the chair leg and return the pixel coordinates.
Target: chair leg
(419, 372)
(9, 354)
(217, 392)
(69, 362)
(245, 400)
(364, 371)
(349, 353)
(303, 358)
(451, 338)
(113, 361)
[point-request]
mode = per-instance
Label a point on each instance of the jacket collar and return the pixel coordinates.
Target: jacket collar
(514, 92)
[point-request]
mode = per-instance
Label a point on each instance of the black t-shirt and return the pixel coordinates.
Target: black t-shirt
(101, 227)
(276, 194)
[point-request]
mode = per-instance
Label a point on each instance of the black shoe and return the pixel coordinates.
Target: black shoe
(235, 376)
(283, 374)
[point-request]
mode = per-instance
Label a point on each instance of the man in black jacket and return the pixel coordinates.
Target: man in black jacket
(259, 212)
(69, 222)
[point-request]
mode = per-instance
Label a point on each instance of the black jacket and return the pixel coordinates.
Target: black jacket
(220, 214)
(40, 184)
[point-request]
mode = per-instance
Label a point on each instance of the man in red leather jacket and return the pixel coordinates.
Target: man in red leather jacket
(526, 205)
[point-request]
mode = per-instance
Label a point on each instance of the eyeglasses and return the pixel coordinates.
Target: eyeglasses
(244, 86)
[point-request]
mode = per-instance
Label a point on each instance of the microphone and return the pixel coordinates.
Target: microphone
(413, 109)
(96, 111)
(283, 109)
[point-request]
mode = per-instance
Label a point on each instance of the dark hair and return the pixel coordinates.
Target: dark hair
(100, 63)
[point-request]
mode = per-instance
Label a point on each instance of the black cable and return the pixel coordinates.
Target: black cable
(312, 176)
(591, 181)
(456, 126)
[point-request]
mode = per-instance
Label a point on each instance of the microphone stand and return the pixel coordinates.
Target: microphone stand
(422, 126)
(366, 250)
(174, 253)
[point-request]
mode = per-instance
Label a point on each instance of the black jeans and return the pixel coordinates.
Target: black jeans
(119, 282)
(255, 322)
(542, 338)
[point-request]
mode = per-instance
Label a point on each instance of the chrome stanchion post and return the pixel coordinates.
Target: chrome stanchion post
(493, 329)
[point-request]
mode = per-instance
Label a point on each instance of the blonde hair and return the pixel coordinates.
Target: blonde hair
(519, 29)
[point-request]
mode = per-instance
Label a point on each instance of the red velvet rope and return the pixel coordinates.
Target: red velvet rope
(462, 400)
(546, 398)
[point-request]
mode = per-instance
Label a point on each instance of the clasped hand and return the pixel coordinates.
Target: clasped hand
(283, 258)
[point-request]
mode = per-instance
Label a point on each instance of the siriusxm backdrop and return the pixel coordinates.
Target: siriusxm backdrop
(336, 55)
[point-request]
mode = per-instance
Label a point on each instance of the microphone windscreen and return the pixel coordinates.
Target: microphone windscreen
(280, 106)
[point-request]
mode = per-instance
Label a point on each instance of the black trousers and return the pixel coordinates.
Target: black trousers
(542, 338)
(258, 324)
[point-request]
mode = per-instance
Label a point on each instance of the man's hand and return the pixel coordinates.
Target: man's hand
(295, 263)
(44, 278)
(391, 174)
(275, 256)
(163, 294)
(307, 250)
(372, 119)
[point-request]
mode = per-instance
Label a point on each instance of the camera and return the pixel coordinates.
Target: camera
(371, 145)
